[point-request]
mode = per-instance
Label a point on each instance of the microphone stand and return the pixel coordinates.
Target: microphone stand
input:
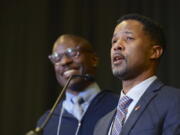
(38, 130)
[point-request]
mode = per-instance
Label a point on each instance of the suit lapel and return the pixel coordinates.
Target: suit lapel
(140, 106)
(104, 124)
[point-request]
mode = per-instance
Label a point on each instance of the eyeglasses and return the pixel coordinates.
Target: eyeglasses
(69, 53)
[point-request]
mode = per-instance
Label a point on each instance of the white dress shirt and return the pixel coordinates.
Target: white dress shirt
(136, 93)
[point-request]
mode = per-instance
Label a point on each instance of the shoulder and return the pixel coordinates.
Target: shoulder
(42, 118)
(166, 94)
(106, 100)
(169, 92)
(107, 95)
(103, 103)
(55, 114)
(161, 88)
(172, 89)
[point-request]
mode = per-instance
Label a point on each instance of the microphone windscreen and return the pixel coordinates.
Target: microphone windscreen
(87, 77)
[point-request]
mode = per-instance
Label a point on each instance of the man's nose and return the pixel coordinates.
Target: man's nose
(119, 45)
(65, 61)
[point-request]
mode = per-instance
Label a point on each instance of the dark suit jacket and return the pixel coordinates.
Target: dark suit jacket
(156, 113)
(103, 103)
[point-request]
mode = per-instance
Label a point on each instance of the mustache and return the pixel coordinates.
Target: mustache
(118, 54)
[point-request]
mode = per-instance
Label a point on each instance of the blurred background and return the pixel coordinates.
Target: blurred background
(28, 29)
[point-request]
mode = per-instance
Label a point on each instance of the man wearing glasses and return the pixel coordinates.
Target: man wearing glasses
(84, 102)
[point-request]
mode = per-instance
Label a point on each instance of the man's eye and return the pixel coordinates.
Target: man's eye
(72, 54)
(130, 38)
(114, 41)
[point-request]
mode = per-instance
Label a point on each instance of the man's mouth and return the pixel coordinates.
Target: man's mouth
(71, 72)
(117, 59)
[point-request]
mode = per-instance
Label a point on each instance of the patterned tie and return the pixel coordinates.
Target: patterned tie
(123, 104)
(77, 109)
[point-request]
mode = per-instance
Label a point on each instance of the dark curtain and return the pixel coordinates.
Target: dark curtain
(28, 29)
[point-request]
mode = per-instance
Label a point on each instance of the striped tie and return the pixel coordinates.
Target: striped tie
(123, 104)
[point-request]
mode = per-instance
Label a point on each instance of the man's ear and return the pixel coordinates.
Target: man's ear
(156, 52)
(94, 60)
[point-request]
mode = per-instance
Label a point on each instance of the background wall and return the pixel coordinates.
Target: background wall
(28, 29)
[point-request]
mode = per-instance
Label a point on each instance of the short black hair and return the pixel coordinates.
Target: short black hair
(151, 27)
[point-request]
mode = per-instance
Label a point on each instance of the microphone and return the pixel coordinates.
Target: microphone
(38, 130)
(87, 77)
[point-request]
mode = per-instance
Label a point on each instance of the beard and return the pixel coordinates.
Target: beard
(76, 84)
(126, 73)
(120, 74)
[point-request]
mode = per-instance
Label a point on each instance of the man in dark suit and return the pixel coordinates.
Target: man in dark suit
(84, 102)
(153, 108)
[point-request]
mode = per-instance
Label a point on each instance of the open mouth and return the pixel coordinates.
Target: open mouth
(117, 59)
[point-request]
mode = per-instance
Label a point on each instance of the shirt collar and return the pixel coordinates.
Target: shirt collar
(91, 91)
(137, 91)
(88, 94)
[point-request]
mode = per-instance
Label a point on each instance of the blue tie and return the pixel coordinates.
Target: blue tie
(123, 104)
